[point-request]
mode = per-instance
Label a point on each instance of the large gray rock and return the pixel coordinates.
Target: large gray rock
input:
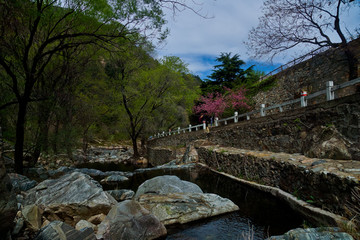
(21, 183)
(186, 207)
(72, 197)
(58, 230)
(313, 234)
(129, 220)
(167, 184)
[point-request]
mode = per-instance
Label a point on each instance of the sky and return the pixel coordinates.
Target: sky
(198, 41)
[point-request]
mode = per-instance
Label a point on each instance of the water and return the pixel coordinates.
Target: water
(228, 226)
(261, 215)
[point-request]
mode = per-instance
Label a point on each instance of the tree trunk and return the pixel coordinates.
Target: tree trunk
(135, 147)
(55, 138)
(20, 136)
(42, 140)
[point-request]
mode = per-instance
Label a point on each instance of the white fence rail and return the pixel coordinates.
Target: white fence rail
(329, 91)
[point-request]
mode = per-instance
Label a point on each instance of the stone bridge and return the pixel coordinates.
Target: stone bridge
(312, 152)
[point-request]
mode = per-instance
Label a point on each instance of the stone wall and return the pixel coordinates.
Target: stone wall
(311, 75)
(320, 182)
(325, 130)
(159, 156)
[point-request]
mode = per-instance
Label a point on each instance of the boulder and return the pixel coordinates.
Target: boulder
(167, 184)
(32, 216)
(185, 207)
(122, 194)
(72, 197)
(129, 220)
(114, 179)
(82, 224)
(313, 233)
(21, 183)
(58, 230)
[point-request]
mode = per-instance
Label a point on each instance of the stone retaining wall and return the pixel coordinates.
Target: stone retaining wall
(312, 75)
(159, 156)
(322, 183)
(325, 130)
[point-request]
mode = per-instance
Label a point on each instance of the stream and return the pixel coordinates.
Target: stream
(261, 215)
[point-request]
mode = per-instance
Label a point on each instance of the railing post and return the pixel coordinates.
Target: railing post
(204, 125)
(329, 92)
(178, 130)
(216, 121)
(225, 122)
(247, 117)
(262, 110)
(189, 127)
(163, 133)
(303, 101)
(281, 109)
(236, 117)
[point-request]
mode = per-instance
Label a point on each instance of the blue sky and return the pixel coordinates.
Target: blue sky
(198, 41)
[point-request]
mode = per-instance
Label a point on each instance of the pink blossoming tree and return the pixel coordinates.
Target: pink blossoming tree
(214, 104)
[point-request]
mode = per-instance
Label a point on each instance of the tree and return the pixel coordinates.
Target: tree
(32, 33)
(215, 104)
(228, 73)
(287, 24)
(146, 89)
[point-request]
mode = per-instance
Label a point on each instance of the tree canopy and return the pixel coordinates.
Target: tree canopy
(229, 73)
(37, 36)
(303, 24)
(286, 24)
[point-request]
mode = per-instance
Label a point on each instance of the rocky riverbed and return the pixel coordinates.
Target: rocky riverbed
(79, 206)
(71, 202)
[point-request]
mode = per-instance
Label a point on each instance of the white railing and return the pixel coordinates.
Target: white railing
(295, 62)
(329, 91)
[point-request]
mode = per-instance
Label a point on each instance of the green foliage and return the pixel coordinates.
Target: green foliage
(151, 94)
(255, 86)
(228, 73)
(311, 200)
(53, 81)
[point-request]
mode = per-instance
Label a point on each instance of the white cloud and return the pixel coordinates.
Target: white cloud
(225, 32)
(198, 41)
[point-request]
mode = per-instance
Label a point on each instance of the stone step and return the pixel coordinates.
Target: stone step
(343, 168)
